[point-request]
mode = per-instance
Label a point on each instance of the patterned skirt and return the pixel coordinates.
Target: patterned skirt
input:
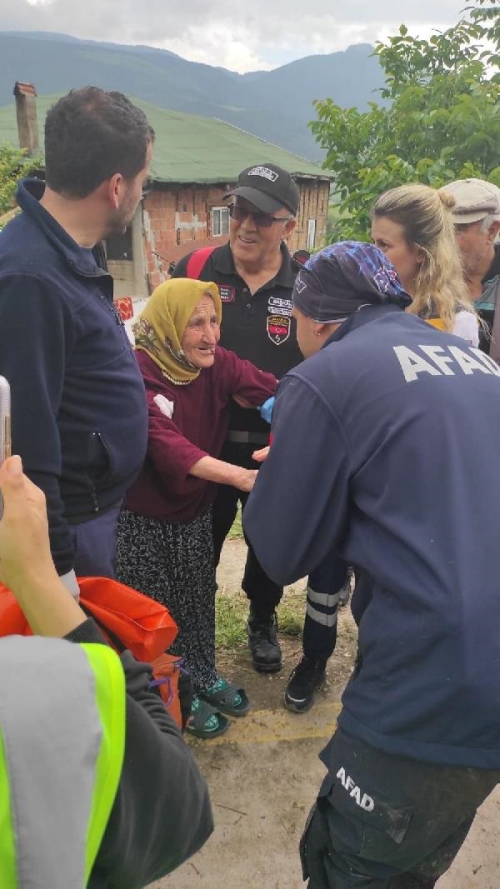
(173, 563)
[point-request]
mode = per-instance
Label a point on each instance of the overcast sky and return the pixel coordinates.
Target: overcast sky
(242, 35)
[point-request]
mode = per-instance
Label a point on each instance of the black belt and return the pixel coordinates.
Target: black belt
(257, 438)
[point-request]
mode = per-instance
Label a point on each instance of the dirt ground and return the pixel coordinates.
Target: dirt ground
(264, 773)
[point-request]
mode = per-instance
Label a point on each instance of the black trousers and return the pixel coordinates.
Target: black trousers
(387, 822)
(263, 592)
(319, 636)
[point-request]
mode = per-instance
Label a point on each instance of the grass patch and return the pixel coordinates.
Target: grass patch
(291, 613)
(231, 614)
(230, 621)
(236, 530)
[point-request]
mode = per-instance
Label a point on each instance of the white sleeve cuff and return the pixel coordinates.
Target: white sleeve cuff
(466, 326)
(70, 582)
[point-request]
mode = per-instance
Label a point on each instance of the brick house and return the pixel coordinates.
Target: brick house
(196, 161)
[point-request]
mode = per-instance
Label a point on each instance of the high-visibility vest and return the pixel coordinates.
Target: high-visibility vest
(62, 741)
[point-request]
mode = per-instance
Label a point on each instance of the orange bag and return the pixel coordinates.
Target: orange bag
(12, 619)
(166, 675)
(142, 625)
(128, 619)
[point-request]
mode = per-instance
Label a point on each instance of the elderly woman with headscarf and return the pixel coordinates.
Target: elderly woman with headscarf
(165, 529)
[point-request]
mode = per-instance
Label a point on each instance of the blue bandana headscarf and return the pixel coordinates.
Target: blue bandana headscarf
(338, 280)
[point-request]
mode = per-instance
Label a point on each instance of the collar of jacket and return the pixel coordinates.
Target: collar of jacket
(363, 316)
(224, 263)
(494, 268)
(29, 193)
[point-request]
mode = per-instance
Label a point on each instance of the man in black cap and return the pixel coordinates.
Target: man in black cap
(255, 274)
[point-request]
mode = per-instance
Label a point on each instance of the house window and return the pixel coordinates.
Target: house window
(220, 221)
(311, 234)
(119, 247)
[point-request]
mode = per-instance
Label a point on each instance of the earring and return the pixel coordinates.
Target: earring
(317, 333)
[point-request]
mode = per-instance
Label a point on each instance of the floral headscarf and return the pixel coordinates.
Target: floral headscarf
(160, 327)
(341, 278)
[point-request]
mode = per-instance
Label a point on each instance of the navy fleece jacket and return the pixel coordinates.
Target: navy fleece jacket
(386, 448)
(79, 414)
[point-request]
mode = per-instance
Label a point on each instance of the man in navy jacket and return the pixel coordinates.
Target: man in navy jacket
(385, 454)
(79, 416)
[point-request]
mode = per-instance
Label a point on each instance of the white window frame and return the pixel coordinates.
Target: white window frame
(219, 217)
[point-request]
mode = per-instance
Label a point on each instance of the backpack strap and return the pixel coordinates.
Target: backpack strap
(197, 261)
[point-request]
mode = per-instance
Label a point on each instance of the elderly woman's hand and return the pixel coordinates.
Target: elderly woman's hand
(246, 479)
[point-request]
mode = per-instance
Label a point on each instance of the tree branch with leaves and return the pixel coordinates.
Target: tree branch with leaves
(14, 165)
(439, 118)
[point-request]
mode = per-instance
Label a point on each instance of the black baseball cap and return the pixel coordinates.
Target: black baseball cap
(267, 187)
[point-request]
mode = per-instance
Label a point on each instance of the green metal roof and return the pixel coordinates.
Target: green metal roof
(189, 148)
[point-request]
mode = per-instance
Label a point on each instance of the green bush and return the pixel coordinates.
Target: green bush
(440, 120)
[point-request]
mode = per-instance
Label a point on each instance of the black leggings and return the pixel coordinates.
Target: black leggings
(263, 592)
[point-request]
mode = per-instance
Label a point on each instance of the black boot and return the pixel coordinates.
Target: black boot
(304, 680)
(263, 641)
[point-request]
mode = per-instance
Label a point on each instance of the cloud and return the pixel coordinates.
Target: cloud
(234, 34)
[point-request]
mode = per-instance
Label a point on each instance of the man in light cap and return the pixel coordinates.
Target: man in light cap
(477, 223)
(255, 274)
(374, 437)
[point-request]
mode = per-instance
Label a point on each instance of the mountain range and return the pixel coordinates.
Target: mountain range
(275, 105)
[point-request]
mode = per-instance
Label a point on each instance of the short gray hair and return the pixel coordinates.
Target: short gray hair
(488, 221)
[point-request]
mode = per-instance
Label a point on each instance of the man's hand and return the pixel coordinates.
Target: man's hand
(26, 565)
(260, 456)
(24, 534)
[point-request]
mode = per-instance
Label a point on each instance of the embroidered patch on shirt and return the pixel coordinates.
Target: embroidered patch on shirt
(278, 328)
(227, 293)
(276, 304)
(166, 406)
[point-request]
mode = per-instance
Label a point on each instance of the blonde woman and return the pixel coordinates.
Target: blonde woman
(413, 226)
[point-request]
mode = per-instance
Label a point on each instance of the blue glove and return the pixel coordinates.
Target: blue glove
(266, 409)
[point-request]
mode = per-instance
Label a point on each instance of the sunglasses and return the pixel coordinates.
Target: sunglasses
(261, 220)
